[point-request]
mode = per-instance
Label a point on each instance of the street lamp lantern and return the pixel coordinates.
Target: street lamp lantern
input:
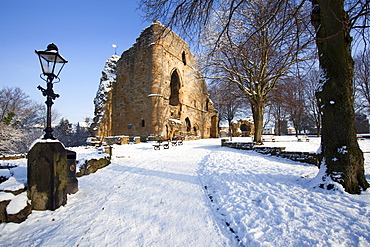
(52, 64)
(51, 61)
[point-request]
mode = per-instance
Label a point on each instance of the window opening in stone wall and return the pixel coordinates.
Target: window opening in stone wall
(196, 130)
(184, 58)
(207, 103)
(142, 123)
(175, 87)
(167, 132)
(188, 124)
(245, 127)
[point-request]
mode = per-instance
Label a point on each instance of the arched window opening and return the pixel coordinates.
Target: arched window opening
(142, 123)
(244, 127)
(213, 127)
(207, 103)
(184, 57)
(188, 124)
(167, 131)
(245, 130)
(175, 87)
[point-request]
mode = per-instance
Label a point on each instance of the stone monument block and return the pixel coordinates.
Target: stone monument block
(47, 175)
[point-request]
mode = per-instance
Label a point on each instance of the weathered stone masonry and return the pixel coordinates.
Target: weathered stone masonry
(158, 91)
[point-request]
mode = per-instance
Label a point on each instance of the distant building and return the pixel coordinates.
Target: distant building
(268, 130)
(157, 91)
(291, 130)
(84, 125)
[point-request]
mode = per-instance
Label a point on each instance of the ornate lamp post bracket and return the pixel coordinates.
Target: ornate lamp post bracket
(52, 64)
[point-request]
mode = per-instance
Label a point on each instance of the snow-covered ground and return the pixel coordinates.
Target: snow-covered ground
(201, 194)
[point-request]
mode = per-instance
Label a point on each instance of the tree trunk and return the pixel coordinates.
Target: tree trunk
(341, 158)
(258, 109)
(297, 126)
(230, 128)
(318, 124)
(278, 127)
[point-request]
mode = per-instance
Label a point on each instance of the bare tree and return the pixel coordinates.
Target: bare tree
(342, 161)
(9, 137)
(292, 101)
(13, 104)
(18, 117)
(255, 52)
(313, 109)
(276, 111)
(362, 78)
(228, 100)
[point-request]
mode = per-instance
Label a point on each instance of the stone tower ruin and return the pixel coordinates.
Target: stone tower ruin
(156, 90)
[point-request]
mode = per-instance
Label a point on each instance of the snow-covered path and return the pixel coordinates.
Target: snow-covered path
(144, 198)
(270, 201)
(201, 194)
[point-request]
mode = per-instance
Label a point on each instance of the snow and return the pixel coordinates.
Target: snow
(155, 95)
(4, 173)
(175, 121)
(342, 150)
(17, 203)
(86, 153)
(83, 124)
(201, 194)
(6, 196)
(107, 80)
(12, 184)
(40, 140)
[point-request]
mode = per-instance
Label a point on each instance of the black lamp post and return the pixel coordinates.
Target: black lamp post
(52, 64)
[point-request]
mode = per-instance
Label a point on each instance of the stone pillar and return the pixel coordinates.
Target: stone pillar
(47, 175)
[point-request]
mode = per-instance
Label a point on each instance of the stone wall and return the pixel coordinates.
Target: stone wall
(92, 165)
(243, 127)
(304, 157)
(102, 125)
(158, 91)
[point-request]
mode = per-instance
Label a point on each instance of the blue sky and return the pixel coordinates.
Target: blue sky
(84, 32)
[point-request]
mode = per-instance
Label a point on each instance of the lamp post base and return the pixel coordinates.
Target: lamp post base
(48, 134)
(47, 175)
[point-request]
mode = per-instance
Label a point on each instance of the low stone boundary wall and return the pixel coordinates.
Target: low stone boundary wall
(110, 140)
(19, 217)
(134, 140)
(91, 166)
(12, 157)
(276, 151)
(304, 157)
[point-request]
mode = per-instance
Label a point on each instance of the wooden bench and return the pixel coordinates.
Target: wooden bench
(164, 143)
(302, 138)
(360, 138)
(268, 137)
(177, 141)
